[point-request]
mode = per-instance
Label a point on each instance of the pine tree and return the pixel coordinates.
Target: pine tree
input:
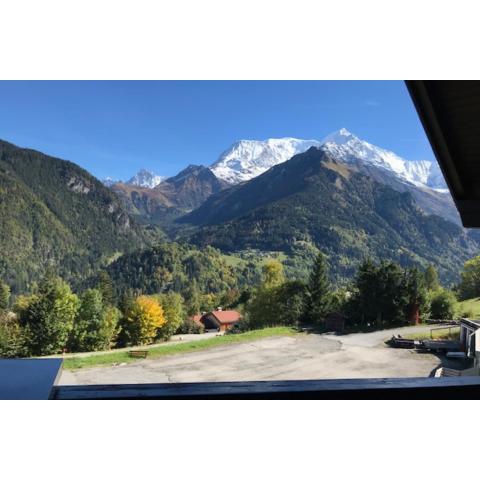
(105, 285)
(192, 299)
(431, 278)
(418, 305)
(318, 295)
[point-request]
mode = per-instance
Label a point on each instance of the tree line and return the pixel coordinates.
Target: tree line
(382, 295)
(53, 319)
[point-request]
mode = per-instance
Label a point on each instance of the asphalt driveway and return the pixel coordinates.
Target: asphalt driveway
(299, 357)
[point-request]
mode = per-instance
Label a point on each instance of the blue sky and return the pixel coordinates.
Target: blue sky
(115, 128)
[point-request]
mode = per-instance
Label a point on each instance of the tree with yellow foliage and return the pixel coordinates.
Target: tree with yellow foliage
(143, 319)
(273, 275)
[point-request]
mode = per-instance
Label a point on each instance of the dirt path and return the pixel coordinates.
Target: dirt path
(278, 358)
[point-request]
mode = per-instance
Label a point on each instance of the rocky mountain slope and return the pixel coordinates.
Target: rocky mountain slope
(143, 179)
(172, 197)
(423, 179)
(54, 214)
(315, 198)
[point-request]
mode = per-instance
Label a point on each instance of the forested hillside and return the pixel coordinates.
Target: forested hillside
(54, 214)
(314, 199)
(179, 268)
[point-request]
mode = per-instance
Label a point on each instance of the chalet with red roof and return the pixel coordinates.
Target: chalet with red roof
(220, 320)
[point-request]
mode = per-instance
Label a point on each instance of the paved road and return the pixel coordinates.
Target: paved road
(303, 356)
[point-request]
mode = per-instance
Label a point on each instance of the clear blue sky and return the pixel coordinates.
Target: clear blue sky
(115, 128)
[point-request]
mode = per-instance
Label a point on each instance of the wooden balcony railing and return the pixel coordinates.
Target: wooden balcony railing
(356, 389)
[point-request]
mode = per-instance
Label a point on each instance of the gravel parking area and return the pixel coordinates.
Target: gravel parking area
(299, 357)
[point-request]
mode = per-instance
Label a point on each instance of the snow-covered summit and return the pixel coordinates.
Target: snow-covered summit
(247, 159)
(145, 179)
(340, 137)
(348, 148)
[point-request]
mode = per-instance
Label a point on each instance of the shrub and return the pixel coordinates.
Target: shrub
(468, 313)
(189, 326)
(443, 303)
(12, 339)
(4, 295)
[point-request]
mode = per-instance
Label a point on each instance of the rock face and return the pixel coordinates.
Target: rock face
(172, 197)
(143, 179)
(191, 187)
(55, 214)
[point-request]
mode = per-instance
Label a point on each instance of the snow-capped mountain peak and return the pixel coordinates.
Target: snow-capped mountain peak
(247, 159)
(348, 148)
(340, 137)
(145, 179)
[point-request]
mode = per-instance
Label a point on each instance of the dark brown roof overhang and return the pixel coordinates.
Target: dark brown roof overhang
(450, 114)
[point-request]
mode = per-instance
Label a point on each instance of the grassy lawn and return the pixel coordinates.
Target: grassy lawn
(173, 349)
(470, 307)
(444, 334)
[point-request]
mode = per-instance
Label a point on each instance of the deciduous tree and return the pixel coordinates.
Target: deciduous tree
(273, 275)
(4, 296)
(48, 317)
(143, 320)
(443, 304)
(470, 283)
(95, 326)
(12, 339)
(173, 311)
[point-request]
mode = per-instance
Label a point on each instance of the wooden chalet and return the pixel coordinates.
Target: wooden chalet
(220, 320)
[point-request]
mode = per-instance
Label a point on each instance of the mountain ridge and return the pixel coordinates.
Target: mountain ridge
(55, 214)
(143, 178)
(246, 159)
(172, 197)
(314, 198)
